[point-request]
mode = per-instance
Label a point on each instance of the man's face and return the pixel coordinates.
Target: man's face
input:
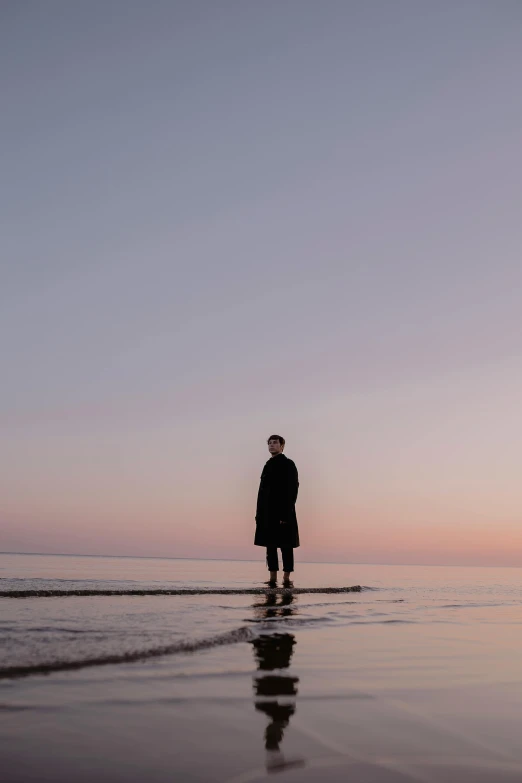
(274, 447)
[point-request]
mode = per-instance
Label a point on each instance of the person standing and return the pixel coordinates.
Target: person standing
(276, 520)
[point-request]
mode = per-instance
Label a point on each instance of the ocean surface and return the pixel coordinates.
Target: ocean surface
(122, 668)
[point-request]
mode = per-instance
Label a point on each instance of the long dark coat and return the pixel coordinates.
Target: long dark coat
(276, 503)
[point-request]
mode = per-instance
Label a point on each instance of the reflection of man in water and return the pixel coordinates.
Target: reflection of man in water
(274, 652)
(271, 608)
(280, 716)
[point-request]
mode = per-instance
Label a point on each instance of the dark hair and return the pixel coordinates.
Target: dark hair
(277, 437)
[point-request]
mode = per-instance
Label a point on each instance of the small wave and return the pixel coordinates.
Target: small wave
(393, 621)
(391, 600)
(471, 605)
(181, 591)
(231, 637)
(290, 620)
(334, 604)
(22, 631)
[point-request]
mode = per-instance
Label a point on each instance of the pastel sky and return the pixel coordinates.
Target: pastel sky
(226, 218)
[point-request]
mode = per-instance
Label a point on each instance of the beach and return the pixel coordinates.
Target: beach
(416, 677)
(260, 300)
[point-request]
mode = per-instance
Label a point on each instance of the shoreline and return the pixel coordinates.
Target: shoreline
(291, 703)
(184, 591)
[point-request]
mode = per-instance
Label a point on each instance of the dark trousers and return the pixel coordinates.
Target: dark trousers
(272, 560)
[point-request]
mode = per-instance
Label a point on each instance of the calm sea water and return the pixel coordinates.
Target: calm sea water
(62, 630)
(417, 677)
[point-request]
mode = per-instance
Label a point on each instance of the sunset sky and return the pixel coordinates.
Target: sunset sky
(225, 218)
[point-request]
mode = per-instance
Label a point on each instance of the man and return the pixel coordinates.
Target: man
(276, 521)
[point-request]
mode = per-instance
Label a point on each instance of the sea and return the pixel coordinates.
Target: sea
(121, 668)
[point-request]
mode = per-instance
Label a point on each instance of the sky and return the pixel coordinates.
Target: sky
(225, 219)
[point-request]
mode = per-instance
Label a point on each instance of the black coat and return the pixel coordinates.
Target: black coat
(276, 503)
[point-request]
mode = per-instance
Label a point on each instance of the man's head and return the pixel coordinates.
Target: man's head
(276, 445)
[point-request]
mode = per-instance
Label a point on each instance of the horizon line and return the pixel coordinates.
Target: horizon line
(248, 560)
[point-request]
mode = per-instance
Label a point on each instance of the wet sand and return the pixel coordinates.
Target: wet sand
(383, 703)
(417, 679)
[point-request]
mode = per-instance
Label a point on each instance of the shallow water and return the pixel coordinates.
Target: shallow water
(65, 629)
(420, 667)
